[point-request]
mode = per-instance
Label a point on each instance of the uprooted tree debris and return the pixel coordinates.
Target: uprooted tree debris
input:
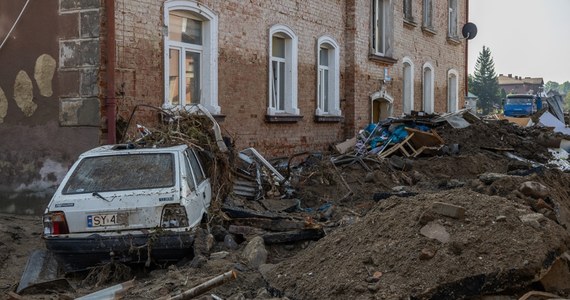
(422, 207)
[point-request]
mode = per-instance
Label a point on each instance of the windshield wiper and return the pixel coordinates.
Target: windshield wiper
(100, 196)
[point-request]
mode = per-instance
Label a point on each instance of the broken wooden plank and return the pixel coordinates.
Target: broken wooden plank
(204, 287)
(497, 148)
(292, 236)
(245, 230)
(422, 138)
(278, 205)
(239, 212)
(274, 224)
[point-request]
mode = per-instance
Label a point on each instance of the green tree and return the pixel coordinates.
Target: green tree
(564, 88)
(567, 102)
(485, 82)
(551, 85)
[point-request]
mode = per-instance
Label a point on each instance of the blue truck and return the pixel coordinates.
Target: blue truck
(518, 105)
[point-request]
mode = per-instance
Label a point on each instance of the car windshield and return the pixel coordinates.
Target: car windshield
(519, 100)
(122, 172)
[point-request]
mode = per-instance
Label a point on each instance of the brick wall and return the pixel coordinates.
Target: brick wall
(243, 64)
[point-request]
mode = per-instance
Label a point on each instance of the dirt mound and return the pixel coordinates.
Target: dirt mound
(490, 244)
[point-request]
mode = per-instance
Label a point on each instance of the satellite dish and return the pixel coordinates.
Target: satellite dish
(469, 30)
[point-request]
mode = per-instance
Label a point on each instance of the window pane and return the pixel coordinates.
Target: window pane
(174, 77)
(278, 49)
(184, 29)
(281, 86)
(324, 57)
(122, 172)
(326, 90)
(192, 77)
(195, 167)
(189, 175)
(274, 83)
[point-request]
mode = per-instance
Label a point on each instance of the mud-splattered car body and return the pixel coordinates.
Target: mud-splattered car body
(128, 204)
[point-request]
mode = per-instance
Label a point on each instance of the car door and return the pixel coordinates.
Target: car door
(203, 187)
(192, 198)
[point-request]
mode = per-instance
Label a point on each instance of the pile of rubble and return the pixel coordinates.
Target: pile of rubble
(422, 207)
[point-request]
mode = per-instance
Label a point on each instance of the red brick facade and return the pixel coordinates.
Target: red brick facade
(243, 41)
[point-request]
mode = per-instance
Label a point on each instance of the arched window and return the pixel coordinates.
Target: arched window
(428, 91)
(408, 86)
(282, 71)
(190, 55)
(452, 91)
(328, 78)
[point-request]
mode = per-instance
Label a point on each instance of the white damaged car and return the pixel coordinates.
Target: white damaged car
(127, 204)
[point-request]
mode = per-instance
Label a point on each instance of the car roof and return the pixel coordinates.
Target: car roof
(125, 149)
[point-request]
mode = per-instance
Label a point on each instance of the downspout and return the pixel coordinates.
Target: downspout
(466, 79)
(110, 100)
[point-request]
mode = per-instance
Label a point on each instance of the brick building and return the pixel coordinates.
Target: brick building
(519, 85)
(280, 76)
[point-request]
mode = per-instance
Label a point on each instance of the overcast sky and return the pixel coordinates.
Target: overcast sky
(526, 37)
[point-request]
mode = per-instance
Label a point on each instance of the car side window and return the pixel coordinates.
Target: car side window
(189, 175)
(196, 169)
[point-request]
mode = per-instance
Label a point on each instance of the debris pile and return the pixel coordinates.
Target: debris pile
(422, 207)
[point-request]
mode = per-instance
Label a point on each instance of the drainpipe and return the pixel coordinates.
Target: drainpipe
(466, 51)
(110, 100)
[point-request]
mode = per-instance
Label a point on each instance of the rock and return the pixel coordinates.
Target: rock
(360, 288)
(557, 277)
(448, 210)
(265, 269)
(198, 261)
(532, 219)
(455, 248)
(370, 178)
(435, 231)
(454, 183)
(230, 242)
(219, 232)
(255, 253)
(489, 178)
(399, 189)
(501, 219)
(219, 255)
(534, 189)
(373, 288)
(427, 254)
(542, 204)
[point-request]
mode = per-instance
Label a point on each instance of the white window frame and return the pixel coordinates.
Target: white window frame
(428, 79)
(333, 68)
(452, 18)
(427, 14)
(452, 90)
(291, 58)
(208, 51)
(407, 85)
(381, 35)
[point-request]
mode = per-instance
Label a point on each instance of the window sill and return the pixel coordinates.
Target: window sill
(328, 119)
(283, 118)
(410, 23)
(382, 59)
(219, 118)
(429, 30)
(453, 40)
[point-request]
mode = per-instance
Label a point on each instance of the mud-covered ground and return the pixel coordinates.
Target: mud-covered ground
(376, 245)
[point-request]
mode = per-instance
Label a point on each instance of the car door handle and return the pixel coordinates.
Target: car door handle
(204, 195)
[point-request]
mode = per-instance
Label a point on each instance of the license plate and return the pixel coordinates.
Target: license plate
(106, 220)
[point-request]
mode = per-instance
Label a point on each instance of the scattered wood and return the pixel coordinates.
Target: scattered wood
(292, 236)
(497, 148)
(275, 224)
(113, 292)
(204, 287)
(239, 212)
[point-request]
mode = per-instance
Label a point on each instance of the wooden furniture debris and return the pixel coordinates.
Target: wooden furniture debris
(415, 143)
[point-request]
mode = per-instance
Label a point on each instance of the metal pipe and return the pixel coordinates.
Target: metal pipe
(466, 79)
(110, 100)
